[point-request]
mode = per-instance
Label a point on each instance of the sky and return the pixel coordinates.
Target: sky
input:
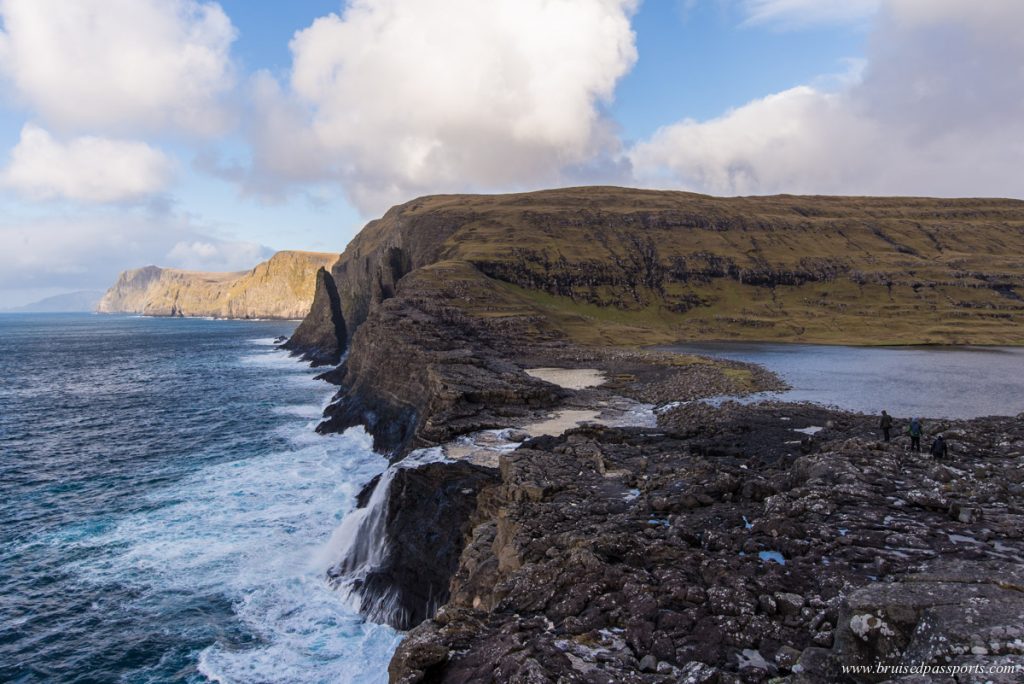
(207, 135)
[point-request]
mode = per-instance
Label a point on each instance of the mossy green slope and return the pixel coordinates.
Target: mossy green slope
(620, 266)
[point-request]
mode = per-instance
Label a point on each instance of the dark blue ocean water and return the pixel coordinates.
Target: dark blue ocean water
(166, 508)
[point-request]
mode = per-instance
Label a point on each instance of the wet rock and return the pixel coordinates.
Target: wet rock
(786, 657)
(426, 516)
(952, 609)
(789, 604)
(416, 656)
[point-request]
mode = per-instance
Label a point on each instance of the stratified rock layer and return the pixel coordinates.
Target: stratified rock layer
(629, 266)
(281, 287)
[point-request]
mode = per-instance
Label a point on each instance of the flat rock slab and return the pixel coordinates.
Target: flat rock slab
(569, 378)
(562, 421)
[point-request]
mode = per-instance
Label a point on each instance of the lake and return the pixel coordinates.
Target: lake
(934, 382)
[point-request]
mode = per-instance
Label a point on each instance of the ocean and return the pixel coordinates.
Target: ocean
(166, 508)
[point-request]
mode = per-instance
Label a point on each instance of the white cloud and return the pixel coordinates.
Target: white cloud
(764, 146)
(400, 97)
(86, 249)
(800, 13)
(938, 110)
(88, 169)
(207, 255)
(106, 65)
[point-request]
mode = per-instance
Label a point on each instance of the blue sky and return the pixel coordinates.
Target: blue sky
(207, 135)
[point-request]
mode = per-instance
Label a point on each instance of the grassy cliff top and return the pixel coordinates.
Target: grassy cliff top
(622, 266)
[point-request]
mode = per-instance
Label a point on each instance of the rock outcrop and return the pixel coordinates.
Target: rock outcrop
(727, 547)
(321, 334)
(424, 518)
(443, 298)
(281, 287)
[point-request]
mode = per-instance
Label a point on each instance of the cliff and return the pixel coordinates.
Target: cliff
(321, 336)
(690, 544)
(281, 287)
(628, 266)
(443, 299)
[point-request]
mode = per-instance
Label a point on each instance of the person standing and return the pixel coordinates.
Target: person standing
(915, 430)
(939, 449)
(886, 425)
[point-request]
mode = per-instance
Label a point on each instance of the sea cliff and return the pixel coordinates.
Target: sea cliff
(281, 287)
(735, 544)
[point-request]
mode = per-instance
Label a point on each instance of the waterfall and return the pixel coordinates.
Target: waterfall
(359, 548)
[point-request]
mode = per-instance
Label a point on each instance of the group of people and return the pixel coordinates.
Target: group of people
(915, 430)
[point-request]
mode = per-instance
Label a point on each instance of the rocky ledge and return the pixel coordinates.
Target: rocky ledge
(739, 544)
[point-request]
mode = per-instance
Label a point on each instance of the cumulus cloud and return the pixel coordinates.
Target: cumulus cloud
(938, 110)
(88, 168)
(798, 13)
(105, 65)
(399, 97)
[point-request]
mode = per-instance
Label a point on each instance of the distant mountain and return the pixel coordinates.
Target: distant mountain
(281, 287)
(71, 302)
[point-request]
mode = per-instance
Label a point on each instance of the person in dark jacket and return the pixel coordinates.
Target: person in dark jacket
(886, 425)
(915, 430)
(939, 448)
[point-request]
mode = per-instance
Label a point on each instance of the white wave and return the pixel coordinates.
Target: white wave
(253, 531)
(275, 358)
(300, 410)
(265, 341)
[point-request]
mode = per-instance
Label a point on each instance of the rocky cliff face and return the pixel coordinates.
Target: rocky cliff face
(281, 287)
(628, 266)
(321, 336)
(402, 577)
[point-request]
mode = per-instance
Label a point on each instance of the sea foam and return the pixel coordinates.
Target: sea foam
(255, 532)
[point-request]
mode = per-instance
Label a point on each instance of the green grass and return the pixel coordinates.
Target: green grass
(941, 258)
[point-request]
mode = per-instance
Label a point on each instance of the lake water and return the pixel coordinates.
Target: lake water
(934, 382)
(166, 508)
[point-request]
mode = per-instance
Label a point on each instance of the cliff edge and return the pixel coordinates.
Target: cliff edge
(281, 287)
